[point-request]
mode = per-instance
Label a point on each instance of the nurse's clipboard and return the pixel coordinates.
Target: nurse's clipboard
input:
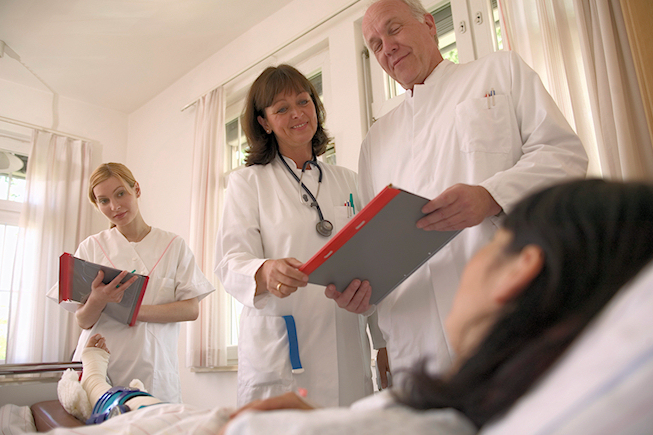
(381, 244)
(76, 276)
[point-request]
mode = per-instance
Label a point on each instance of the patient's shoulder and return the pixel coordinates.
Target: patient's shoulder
(602, 381)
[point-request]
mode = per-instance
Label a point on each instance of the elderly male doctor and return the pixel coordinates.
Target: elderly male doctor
(476, 138)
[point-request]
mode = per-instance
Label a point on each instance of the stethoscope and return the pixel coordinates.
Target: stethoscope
(323, 227)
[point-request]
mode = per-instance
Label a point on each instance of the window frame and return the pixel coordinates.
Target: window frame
(18, 141)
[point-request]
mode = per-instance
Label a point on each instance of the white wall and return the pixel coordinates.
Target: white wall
(160, 138)
(32, 105)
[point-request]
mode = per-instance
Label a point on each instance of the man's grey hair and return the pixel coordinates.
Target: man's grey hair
(416, 8)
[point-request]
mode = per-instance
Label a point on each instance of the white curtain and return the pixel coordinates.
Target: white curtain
(623, 141)
(207, 336)
(55, 217)
(579, 49)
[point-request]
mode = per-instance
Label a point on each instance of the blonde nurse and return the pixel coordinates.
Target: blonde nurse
(148, 350)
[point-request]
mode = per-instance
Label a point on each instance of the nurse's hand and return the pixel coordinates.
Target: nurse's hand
(460, 206)
(111, 292)
(280, 277)
(355, 298)
(101, 294)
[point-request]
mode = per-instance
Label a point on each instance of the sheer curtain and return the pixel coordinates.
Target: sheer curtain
(623, 140)
(207, 337)
(580, 50)
(54, 219)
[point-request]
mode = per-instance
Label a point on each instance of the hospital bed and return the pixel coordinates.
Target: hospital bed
(35, 385)
(603, 383)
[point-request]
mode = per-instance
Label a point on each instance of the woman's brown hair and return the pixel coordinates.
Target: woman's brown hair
(273, 81)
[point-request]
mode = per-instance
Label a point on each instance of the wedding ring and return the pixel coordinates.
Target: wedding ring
(117, 285)
(279, 287)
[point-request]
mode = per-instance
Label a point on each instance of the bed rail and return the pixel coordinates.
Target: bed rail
(34, 368)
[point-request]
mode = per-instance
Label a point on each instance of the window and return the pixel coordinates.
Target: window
(497, 24)
(236, 144)
(14, 145)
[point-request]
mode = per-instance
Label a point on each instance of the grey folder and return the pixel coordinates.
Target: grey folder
(380, 244)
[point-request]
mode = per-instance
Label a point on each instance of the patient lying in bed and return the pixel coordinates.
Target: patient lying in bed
(546, 340)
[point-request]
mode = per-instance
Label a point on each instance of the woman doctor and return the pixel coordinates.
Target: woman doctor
(270, 226)
(147, 350)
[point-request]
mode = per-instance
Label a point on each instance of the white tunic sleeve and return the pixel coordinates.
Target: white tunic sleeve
(190, 282)
(551, 150)
(239, 247)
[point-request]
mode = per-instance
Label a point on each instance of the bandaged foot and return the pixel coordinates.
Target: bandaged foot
(95, 361)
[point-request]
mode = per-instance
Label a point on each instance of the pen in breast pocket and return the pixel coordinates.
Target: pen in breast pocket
(490, 98)
(351, 201)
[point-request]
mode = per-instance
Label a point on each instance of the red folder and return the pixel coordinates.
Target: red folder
(76, 276)
(381, 244)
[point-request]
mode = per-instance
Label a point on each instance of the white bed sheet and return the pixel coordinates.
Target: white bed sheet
(372, 416)
(16, 420)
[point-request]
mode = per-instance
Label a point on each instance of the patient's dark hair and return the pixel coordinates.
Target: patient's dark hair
(273, 81)
(596, 236)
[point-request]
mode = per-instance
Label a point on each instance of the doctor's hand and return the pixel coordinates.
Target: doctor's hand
(280, 277)
(384, 367)
(460, 206)
(355, 298)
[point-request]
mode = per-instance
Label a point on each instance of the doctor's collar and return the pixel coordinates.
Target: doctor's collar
(435, 75)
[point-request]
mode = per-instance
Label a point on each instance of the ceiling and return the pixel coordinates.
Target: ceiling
(117, 54)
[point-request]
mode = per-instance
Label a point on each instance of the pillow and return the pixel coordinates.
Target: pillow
(603, 383)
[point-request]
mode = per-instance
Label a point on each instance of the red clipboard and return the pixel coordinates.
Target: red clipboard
(381, 244)
(76, 276)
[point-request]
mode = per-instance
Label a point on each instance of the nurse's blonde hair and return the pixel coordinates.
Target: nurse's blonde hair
(104, 172)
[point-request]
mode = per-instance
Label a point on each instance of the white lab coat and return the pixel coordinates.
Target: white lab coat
(446, 132)
(145, 351)
(264, 219)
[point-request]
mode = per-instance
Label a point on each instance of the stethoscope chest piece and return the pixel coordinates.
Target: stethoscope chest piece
(324, 228)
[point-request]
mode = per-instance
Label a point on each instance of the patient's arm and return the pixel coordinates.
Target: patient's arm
(284, 401)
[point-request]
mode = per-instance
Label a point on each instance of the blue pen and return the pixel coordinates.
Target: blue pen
(351, 201)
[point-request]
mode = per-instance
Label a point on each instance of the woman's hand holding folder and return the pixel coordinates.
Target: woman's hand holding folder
(101, 294)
